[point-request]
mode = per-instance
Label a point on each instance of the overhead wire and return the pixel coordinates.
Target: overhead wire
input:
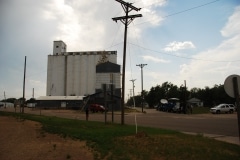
(173, 55)
(179, 12)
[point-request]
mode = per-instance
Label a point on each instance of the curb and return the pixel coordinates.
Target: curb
(228, 139)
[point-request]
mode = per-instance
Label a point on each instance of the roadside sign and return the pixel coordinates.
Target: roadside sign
(232, 88)
(228, 85)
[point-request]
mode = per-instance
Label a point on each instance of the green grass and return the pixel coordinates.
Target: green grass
(115, 141)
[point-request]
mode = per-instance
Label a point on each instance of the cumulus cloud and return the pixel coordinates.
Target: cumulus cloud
(155, 59)
(151, 14)
(76, 25)
(175, 46)
(219, 62)
(184, 68)
(233, 26)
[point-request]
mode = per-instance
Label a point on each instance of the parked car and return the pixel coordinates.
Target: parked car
(232, 105)
(96, 108)
(222, 108)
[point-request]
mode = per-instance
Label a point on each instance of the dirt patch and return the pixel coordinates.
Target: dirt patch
(24, 139)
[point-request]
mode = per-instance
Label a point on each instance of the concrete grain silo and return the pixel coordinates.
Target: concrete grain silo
(74, 73)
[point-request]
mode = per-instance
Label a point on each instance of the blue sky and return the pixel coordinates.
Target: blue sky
(192, 40)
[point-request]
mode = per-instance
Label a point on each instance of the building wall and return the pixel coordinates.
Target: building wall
(74, 73)
(55, 75)
(108, 78)
(59, 47)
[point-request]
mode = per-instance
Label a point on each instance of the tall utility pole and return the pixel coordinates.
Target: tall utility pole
(126, 20)
(185, 96)
(33, 93)
(141, 66)
(24, 85)
(5, 100)
(133, 92)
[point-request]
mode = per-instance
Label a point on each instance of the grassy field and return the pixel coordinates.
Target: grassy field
(115, 141)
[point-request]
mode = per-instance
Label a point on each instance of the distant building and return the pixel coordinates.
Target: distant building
(6, 104)
(74, 73)
(195, 102)
(79, 74)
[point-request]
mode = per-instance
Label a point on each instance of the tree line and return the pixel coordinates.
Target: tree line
(13, 100)
(209, 96)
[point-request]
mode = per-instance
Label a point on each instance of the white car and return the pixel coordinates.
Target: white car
(222, 108)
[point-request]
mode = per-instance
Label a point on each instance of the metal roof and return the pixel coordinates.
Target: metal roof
(60, 98)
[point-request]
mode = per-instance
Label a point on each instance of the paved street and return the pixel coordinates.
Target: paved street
(222, 125)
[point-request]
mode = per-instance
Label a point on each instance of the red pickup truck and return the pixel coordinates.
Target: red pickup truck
(96, 108)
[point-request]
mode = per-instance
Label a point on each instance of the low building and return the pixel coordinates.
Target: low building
(6, 104)
(195, 102)
(65, 102)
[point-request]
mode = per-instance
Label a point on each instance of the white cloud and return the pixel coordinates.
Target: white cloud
(153, 3)
(155, 59)
(184, 68)
(215, 64)
(86, 25)
(175, 46)
(233, 26)
(152, 15)
(77, 25)
(155, 18)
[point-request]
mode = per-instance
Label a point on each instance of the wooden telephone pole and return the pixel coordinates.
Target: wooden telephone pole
(126, 20)
(141, 66)
(24, 77)
(133, 92)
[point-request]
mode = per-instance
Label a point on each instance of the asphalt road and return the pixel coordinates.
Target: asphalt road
(222, 124)
(219, 124)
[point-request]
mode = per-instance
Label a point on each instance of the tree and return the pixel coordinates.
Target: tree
(138, 101)
(154, 96)
(31, 100)
(10, 100)
(165, 91)
(209, 96)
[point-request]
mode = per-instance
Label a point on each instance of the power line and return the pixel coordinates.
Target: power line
(179, 12)
(190, 9)
(173, 55)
